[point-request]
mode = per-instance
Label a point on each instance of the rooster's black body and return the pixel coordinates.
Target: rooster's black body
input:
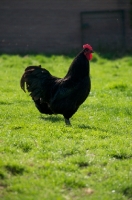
(54, 95)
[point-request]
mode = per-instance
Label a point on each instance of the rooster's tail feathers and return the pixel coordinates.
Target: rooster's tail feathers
(28, 71)
(32, 78)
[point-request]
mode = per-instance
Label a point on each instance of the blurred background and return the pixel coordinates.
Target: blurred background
(62, 26)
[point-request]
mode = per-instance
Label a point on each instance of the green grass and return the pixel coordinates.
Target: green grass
(41, 158)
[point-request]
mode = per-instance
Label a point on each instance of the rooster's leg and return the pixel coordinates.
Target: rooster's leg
(67, 121)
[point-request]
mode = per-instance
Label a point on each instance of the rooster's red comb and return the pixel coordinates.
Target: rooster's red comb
(87, 46)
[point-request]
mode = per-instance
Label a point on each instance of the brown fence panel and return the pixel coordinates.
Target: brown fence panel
(103, 29)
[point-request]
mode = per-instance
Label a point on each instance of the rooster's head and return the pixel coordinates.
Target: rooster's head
(88, 50)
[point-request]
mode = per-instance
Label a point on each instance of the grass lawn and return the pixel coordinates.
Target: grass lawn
(41, 158)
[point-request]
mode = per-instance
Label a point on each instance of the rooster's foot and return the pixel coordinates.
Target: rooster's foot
(67, 121)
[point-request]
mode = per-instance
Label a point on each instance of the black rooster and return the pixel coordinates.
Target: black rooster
(54, 95)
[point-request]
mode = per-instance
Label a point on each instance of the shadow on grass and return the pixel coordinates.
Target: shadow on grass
(128, 192)
(52, 118)
(15, 169)
(83, 126)
(121, 156)
(5, 103)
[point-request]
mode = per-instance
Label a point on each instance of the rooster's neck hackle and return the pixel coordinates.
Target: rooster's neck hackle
(79, 67)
